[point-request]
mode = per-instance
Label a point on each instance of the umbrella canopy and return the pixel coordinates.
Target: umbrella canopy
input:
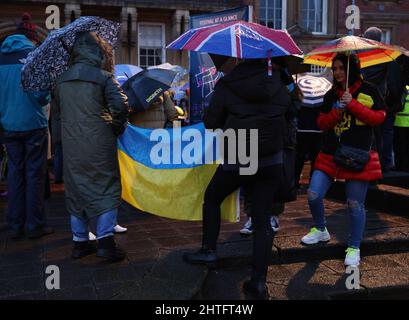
(125, 71)
(46, 63)
(295, 63)
(238, 39)
(369, 52)
(314, 89)
(146, 86)
(180, 71)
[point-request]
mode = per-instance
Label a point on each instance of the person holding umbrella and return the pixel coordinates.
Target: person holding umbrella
(262, 106)
(387, 78)
(309, 136)
(85, 94)
(160, 112)
(350, 112)
(251, 96)
(149, 98)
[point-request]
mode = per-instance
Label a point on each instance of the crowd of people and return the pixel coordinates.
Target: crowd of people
(364, 116)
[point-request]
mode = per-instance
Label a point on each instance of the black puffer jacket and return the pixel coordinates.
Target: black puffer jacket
(248, 98)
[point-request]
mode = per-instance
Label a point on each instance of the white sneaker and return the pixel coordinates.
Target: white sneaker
(353, 257)
(248, 228)
(91, 236)
(275, 225)
(119, 229)
(315, 236)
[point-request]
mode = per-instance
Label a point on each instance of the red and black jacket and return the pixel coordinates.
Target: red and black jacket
(357, 126)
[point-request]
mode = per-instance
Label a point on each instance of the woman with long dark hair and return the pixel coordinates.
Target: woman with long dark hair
(349, 115)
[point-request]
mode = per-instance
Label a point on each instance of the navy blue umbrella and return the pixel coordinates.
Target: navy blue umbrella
(145, 87)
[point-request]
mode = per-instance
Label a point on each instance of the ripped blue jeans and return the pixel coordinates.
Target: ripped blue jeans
(355, 193)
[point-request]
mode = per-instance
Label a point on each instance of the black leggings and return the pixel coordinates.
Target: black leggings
(307, 144)
(263, 185)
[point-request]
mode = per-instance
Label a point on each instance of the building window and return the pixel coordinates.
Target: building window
(273, 13)
(151, 43)
(386, 35)
(315, 15)
(317, 69)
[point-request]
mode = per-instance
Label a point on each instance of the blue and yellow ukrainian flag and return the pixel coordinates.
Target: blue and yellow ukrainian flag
(169, 190)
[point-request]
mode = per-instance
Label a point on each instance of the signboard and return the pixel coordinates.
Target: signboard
(203, 74)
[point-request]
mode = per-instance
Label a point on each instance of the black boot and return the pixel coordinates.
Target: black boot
(82, 249)
(257, 289)
(203, 256)
(107, 249)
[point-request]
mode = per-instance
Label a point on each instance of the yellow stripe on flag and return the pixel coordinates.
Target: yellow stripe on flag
(171, 193)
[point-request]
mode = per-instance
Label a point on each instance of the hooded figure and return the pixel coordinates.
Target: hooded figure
(24, 125)
(387, 78)
(84, 93)
(247, 98)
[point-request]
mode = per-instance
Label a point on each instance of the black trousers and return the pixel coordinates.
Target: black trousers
(401, 148)
(308, 144)
(264, 185)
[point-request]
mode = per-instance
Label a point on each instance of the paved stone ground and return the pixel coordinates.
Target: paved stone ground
(381, 276)
(154, 268)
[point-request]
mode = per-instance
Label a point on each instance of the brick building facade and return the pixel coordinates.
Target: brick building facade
(148, 25)
(391, 16)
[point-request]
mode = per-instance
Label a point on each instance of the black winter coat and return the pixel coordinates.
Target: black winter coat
(248, 98)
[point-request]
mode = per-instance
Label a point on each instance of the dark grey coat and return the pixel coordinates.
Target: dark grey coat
(91, 169)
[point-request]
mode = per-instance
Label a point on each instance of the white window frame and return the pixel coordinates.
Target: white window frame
(316, 70)
(324, 18)
(163, 26)
(386, 35)
(283, 13)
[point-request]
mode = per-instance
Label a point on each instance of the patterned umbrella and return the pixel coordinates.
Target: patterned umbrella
(50, 60)
(238, 39)
(314, 89)
(369, 52)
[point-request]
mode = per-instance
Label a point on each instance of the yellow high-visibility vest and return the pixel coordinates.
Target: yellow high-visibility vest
(402, 118)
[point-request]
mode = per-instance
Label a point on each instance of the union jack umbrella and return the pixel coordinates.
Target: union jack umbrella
(238, 39)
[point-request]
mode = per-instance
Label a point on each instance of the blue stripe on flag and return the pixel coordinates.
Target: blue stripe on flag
(178, 149)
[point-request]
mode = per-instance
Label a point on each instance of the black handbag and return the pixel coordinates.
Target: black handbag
(351, 158)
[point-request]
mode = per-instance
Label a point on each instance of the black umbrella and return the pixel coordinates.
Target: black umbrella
(145, 87)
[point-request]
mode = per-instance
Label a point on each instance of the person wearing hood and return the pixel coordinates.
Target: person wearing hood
(24, 124)
(249, 97)
(351, 111)
(387, 78)
(94, 113)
